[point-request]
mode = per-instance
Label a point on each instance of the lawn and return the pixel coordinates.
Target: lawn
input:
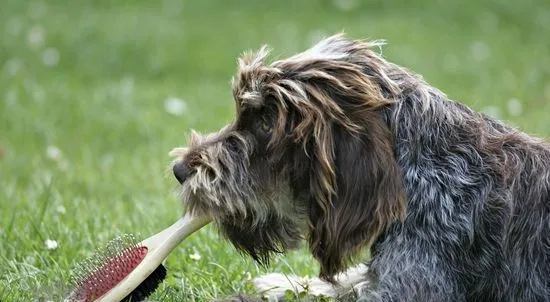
(93, 95)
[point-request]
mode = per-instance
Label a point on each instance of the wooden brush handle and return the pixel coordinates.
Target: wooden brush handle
(159, 247)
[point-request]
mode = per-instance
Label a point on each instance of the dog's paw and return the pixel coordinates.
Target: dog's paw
(238, 298)
(274, 286)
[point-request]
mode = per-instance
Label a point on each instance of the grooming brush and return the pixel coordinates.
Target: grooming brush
(126, 270)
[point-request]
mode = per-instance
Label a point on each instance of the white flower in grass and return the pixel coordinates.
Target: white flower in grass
(13, 66)
(106, 161)
(61, 209)
(480, 51)
(54, 153)
(346, 5)
(127, 87)
(195, 256)
(50, 57)
(36, 36)
(175, 106)
(492, 111)
(51, 244)
(515, 107)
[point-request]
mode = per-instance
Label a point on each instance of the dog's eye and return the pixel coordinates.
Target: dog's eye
(261, 121)
(265, 125)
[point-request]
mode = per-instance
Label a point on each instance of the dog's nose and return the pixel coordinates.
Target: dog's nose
(181, 172)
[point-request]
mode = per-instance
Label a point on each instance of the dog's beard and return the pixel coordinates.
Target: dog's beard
(274, 235)
(267, 223)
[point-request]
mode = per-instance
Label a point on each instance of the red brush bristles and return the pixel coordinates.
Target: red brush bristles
(104, 270)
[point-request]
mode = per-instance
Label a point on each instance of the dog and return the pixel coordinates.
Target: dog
(338, 147)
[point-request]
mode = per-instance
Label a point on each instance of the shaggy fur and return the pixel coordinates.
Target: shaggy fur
(339, 147)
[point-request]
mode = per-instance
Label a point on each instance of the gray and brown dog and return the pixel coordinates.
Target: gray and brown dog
(339, 147)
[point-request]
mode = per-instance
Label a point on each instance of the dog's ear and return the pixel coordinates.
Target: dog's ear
(367, 194)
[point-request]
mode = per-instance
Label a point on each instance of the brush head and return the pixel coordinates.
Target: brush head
(109, 266)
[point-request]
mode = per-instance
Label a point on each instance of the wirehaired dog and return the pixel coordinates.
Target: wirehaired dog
(339, 147)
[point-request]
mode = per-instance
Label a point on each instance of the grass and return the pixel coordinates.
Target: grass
(86, 120)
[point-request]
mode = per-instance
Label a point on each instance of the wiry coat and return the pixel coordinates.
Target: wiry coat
(348, 151)
(477, 225)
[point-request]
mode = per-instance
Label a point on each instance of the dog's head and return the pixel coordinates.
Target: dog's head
(308, 155)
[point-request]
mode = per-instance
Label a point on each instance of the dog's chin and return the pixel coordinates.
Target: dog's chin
(262, 240)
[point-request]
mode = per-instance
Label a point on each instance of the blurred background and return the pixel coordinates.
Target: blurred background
(93, 95)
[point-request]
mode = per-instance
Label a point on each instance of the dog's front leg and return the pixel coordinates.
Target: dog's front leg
(413, 274)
